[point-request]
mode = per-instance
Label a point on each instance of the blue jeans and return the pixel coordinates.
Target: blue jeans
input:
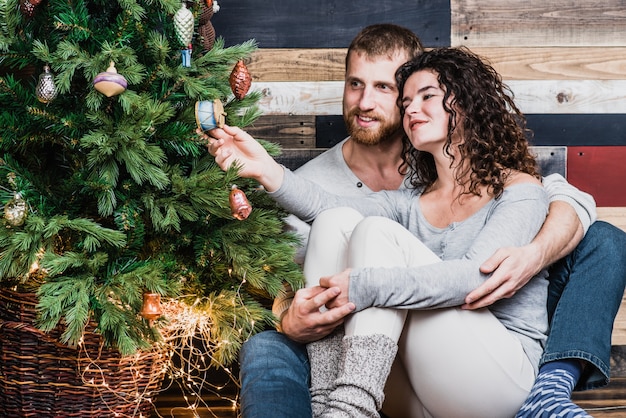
(585, 292)
(274, 377)
(584, 295)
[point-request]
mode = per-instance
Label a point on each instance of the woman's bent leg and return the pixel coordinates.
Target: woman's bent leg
(464, 364)
(371, 338)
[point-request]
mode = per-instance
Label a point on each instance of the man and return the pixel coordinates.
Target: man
(274, 366)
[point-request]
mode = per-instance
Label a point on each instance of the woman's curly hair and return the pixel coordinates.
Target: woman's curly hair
(494, 130)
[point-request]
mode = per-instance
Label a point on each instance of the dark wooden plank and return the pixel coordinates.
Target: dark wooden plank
(600, 171)
(549, 129)
(294, 158)
(327, 23)
(291, 131)
(578, 129)
(329, 130)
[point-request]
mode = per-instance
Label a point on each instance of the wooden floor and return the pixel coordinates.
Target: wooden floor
(607, 402)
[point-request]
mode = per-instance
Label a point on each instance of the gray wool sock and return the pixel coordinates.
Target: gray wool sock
(325, 357)
(360, 386)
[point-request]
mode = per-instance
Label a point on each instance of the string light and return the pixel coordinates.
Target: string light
(191, 348)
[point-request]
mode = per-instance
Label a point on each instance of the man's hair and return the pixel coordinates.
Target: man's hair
(385, 39)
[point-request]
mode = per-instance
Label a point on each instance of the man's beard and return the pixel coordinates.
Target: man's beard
(384, 132)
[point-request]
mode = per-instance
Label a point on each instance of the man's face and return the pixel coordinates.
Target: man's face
(369, 98)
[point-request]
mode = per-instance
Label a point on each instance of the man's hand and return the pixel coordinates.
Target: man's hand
(304, 322)
(512, 268)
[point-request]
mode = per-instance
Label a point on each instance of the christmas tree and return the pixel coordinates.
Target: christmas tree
(109, 192)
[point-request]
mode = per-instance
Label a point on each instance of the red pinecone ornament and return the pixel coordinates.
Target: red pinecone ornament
(240, 80)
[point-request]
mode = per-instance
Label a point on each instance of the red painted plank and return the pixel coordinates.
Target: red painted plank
(600, 171)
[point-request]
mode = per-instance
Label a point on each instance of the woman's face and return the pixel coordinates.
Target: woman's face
(425, 120)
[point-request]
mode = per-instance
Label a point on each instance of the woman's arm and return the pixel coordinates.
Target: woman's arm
(514, 220)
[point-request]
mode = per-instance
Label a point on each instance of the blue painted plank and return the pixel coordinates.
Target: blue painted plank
(548, 129)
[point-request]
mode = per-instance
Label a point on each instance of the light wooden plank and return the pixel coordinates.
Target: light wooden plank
(569, 96)
(565, 63)
(614, 215)
(532, 96)
(300, 98)
(513, 63)
(537, 23)
(320, 64)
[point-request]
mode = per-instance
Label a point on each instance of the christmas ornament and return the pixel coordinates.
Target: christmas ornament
(110, 83)
(15, 210)
(205, 27)
(27, 7)
(240, 80)
(151, 308)
(183, 25)
(239, 205)
(46, 89)
(210, 114)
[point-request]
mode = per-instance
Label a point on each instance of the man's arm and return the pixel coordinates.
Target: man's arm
(571, 212)
(512, 267)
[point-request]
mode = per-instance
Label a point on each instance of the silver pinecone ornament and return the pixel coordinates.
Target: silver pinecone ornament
(46, 88)
(183, 25)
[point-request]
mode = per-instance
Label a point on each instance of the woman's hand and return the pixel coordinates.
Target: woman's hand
(341, 281)
(231, 145)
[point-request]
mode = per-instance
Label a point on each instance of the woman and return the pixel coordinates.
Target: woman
(407, 259)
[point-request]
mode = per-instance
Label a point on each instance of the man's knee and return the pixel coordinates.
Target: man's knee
(606, 240)
(271, 349)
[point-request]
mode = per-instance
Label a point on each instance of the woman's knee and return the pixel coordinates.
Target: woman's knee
(374, 226)
(341, 219)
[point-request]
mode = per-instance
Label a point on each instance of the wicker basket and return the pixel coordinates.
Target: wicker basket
(39, 377)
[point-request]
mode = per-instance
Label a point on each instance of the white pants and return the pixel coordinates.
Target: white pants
(451, 362)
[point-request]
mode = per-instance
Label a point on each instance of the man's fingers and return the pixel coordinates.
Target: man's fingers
(487, 295)
(482, 291)
(325, 296)
(493, 262)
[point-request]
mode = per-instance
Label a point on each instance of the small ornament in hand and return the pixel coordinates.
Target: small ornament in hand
(239, 205)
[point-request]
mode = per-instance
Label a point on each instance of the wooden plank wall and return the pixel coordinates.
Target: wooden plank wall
(564, 60)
